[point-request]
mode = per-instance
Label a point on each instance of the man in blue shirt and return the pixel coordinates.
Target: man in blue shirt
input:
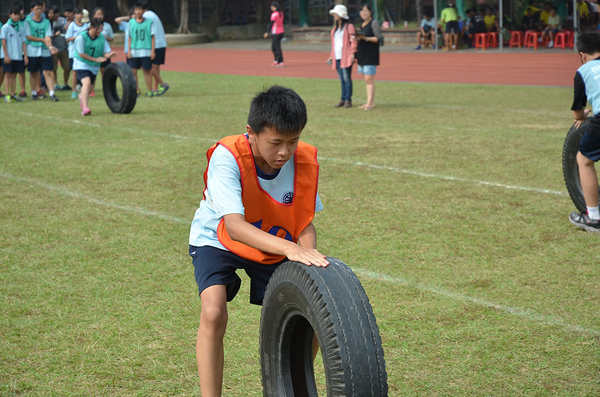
(587, 88)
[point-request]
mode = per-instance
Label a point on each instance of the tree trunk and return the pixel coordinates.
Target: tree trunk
(399, 11)
(184, 26)
(83, 4)
(123, 6)
(419, 11)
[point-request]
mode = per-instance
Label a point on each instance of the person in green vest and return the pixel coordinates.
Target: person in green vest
(91, 49)
(449, 16)
(142, 45)
(38, 31)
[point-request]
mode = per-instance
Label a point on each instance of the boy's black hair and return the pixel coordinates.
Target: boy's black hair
(143, 4)
(279, 108)
(14, 9)
(35, 3)
(77, 10)
(17, 4)
(96, 23)
(589, 43)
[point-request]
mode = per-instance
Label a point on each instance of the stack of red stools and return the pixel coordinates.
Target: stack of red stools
(481, 41)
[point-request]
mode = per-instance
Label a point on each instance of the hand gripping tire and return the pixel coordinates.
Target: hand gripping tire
(126, 102)
(570, 168)
(301, 301)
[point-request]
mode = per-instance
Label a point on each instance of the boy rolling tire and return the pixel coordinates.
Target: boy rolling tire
(126, 102)
(570, 168)
(327, 302)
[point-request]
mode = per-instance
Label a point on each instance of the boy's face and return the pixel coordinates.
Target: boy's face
(271, 149)
(51, 15)
(16, 17)
(79, 17)
(139, 12)
(37, 12)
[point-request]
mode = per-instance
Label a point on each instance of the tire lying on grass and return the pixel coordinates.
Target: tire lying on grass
(302, 301)
(570, 167)
(126, 102)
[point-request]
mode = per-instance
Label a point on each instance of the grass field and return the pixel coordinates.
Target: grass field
(447, 201)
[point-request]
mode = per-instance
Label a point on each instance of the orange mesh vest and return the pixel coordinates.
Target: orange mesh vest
(281, 220)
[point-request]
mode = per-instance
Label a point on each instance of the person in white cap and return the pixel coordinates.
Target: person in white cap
(343, 51)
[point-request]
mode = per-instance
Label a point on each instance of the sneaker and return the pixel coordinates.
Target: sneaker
(280, 65)
(57, 87)
(150, 94)
(93, 94)
(418, 47)
(23, 94)
(138, 93)
(86, 112)
(53, 98)
(17, 99)
(74, 95)
(7, 99)
(274, 64)
(583, 221)
(66, 87)
(164, 88)
(41, 94)
(539, 40)
(35, 97)
(551, 44)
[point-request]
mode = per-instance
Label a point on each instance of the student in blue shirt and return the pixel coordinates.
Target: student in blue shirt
(14, 53)
(426, 30)
(587, 88)
(123, 23)
(73, 31)
(160, 49)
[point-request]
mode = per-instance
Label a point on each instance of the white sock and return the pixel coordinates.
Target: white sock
(594, 213)
(33, 92)
(51, 92)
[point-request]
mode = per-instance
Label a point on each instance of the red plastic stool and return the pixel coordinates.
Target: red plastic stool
(560, 40)
(515, 39)
(571, 40)
(493, 40)
(481, 41)
(532, 40)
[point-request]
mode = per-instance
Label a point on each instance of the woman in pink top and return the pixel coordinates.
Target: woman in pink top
(276, 29)
(343, 50)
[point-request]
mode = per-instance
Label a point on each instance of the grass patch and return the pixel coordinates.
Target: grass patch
(477, 289)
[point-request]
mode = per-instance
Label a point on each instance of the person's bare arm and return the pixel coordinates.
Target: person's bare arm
(580, 116)
(243, 232)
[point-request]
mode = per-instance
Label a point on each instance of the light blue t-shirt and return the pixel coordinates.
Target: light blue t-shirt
(224, 195)
(33, 51)
(124, 27)
(74, 30)
(590, 73)
(14, 42)
(430, 23)
(78, 64)
(107, 30)
(160, 37)
(1, 48)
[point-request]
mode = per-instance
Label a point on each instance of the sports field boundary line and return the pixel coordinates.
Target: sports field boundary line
(526, 314)
(331, 159)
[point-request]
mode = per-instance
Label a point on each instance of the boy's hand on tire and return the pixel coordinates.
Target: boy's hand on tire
(307, 256)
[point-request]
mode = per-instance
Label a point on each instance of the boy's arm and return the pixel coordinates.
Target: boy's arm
(579, 100)
(122, 19)
(153, 54)
(308, 237)
(243, 232)
(6, 56)
(25, 58)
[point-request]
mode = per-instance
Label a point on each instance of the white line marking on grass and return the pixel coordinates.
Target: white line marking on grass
(514, 311)
(94, 200)
(349, 162)
(443, 177)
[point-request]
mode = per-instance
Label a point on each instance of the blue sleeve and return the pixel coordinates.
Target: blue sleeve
(49, 31)
(224, 188)
(69, 31)
(123, 26)
(106, 47)
(27, 29)
(79, 45)
(109, 30)
(153, 29)
(319, 204)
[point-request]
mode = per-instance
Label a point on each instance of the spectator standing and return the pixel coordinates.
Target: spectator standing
(14, 53)
(78, 26)
(343, 51)
(160, 87)
(449, 16)
(123, 23)
(58, 41)
(367, 54)
(142, 41)
(277, 31)
(426, 30)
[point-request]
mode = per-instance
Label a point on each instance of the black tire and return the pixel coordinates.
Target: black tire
(119, 71)
(570, 167)
(302, 301)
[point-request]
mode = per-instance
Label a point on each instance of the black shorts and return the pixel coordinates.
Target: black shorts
(452, 27)
(141, 63)
(71, 63)
(105, 64)
(37, 64)
(13, 67)
(82, 74)
(159, 58)
(128, 61)
(589, 145)
(214, 266)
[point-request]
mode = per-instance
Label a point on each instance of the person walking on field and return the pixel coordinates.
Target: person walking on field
(343, 50)
(367, 55)
(276, 29)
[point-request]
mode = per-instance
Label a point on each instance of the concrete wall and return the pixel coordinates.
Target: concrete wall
(247, 32)
(322, 35)
(173, 39)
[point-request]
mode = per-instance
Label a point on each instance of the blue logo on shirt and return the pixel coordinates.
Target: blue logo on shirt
(274, 230)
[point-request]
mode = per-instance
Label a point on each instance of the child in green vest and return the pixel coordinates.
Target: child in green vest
(91, 49)
(141, 49)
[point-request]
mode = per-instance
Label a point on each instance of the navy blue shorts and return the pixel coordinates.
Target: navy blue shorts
(159, 56)
(37, 64)
(14, 67)
(71, 63)
(213, 266)
(82, 74)
(589, 145)
(141, 63)
(452, 27)
(105, 64)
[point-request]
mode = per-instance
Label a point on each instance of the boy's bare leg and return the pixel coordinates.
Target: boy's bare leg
(137, 82)
(148, 78)
(209, 345)
(22, 81)
(11, 83)
(589, 180)
(369, 80)
(74, 81)
(6, 87)
(49, 79)
(157, 79)
(35, 81)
